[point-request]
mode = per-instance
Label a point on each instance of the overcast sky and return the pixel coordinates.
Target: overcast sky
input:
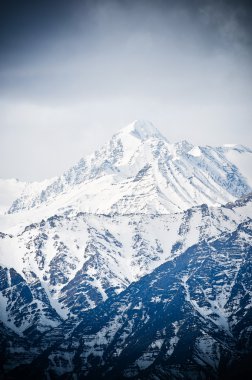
(74, 72)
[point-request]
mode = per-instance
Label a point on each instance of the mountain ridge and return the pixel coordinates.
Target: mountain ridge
(134, 264)
(160, 325)
(63, 254)
(139, 170)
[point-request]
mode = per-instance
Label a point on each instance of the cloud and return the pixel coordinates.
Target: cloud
(186, 66)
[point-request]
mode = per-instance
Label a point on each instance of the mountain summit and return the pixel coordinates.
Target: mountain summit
(139, 171)
(142, 130)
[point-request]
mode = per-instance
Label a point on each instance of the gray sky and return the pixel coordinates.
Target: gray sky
(74, 72)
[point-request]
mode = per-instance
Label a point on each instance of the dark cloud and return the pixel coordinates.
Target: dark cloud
(186, 65)
(46, 45)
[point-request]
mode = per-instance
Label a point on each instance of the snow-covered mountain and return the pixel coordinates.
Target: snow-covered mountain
(139, 171)
(10, 190)
(189, 319)
(73, 262)
(134, 264)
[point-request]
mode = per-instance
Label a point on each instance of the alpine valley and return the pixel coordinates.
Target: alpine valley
(136, 263)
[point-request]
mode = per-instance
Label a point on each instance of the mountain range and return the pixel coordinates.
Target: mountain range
(133, 264)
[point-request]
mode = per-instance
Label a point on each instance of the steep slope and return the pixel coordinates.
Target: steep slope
(14, 351)
(139, 171)
(72, 262)
(24, 305)
(189, 319)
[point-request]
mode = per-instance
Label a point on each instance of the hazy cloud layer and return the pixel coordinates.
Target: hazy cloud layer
(74, 72)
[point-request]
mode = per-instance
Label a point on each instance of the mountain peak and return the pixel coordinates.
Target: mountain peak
(141, 129)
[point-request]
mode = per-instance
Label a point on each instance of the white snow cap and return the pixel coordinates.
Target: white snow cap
(142, 130)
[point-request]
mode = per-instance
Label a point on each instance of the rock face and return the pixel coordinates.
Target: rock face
(129, 268)
(25, 306)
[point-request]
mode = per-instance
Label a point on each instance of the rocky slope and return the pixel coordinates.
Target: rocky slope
(76, 261)
(189, 319)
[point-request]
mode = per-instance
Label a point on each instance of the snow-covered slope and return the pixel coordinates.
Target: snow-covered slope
(139, 171)
(74, 261)
(10, 190)
(188, 319)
